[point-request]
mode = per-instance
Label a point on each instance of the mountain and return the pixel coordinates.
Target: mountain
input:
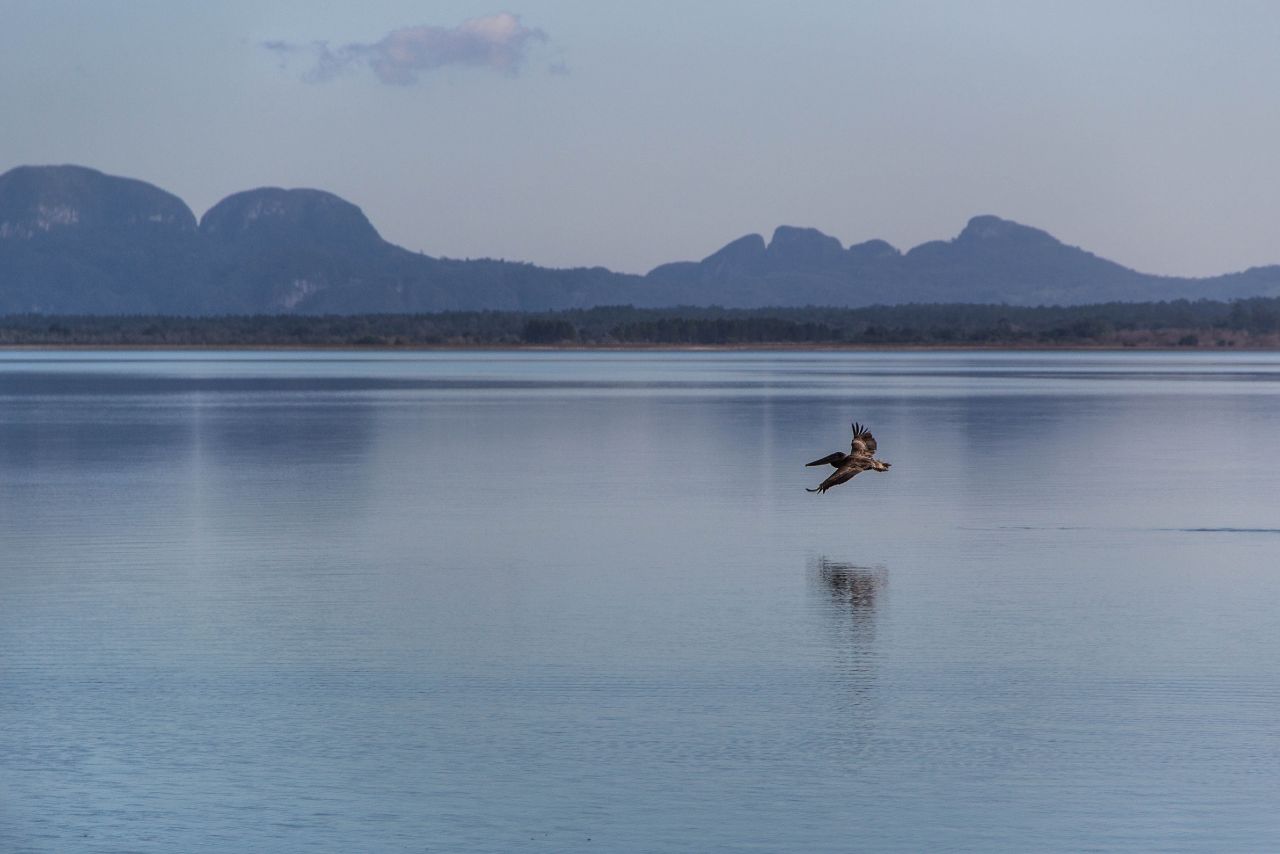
(76, 241)
(284, 248)
(991, 261)
(73, 240)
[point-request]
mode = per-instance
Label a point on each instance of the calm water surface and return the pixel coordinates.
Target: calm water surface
(582, 602)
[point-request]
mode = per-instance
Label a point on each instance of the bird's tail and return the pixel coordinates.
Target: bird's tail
(815, 489)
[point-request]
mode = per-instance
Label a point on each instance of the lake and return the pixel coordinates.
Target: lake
(581, 601)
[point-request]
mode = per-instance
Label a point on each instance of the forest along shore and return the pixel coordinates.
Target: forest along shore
(1252, 324)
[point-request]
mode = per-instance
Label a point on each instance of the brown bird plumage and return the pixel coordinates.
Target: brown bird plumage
(861, 457)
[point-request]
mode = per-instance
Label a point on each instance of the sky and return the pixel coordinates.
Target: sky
(623, 134)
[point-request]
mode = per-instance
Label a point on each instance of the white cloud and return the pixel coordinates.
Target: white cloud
(500, 42)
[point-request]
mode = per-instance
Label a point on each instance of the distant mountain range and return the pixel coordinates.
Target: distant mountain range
(76, 241)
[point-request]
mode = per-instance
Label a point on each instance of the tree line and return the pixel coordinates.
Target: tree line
(1177, 323)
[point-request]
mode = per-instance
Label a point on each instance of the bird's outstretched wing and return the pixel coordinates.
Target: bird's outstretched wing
(864, 444)
(833, 459)
(840, 475)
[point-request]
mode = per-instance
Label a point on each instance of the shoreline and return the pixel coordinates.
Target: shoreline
(672, 348)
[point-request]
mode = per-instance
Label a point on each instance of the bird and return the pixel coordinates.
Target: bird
(861, 457)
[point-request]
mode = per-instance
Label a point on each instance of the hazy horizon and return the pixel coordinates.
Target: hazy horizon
(571, 134)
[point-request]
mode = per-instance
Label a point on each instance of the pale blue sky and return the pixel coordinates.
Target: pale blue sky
(637, 133)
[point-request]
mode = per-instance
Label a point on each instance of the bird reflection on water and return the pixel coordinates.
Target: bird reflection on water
(851, 597)
(853, 589)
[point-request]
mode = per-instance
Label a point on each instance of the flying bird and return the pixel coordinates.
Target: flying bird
(861, 457)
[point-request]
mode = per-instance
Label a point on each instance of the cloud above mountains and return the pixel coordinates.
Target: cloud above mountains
(500, 42)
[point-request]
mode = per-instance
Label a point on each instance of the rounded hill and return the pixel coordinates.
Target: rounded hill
(289, 217)
(36, 201)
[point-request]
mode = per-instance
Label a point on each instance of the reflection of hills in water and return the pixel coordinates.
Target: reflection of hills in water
(851, 597)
